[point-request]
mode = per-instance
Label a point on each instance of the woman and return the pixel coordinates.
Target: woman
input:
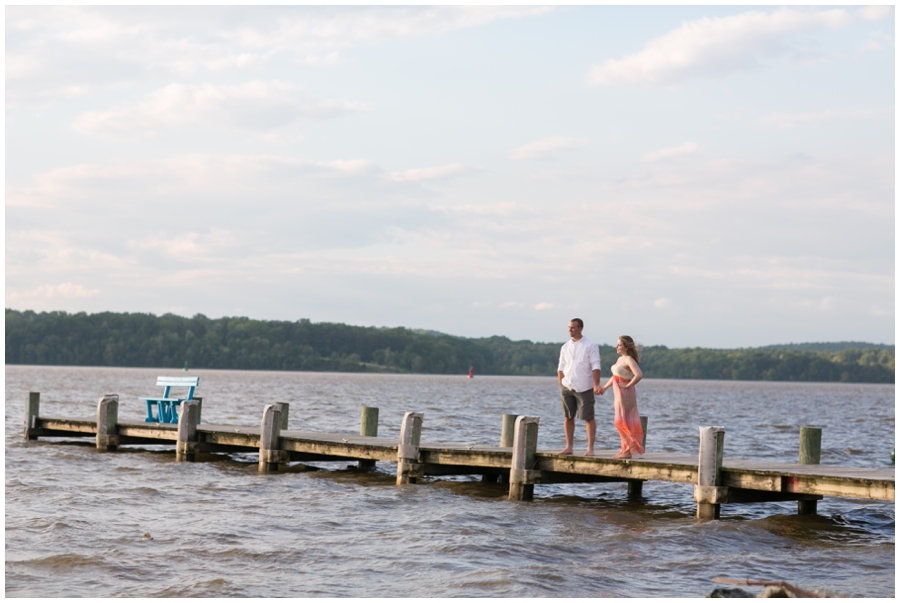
(625, 374)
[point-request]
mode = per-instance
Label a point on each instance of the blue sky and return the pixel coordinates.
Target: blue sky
(691, 176)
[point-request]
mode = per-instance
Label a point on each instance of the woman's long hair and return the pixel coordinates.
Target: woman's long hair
(631, 348)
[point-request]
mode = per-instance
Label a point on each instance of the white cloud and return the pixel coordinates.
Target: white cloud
(790, 120)
(61, 291)
(430, 173)
(53, 49)
(685, 149)
(714, 47)
(546, 148)
(352, 166)
(261, 229)
(876, 13)
(251, 106)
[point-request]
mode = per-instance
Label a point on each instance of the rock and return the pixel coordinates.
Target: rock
(773, 592)
(730, 593)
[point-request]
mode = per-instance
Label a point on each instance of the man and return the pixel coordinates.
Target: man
(579, 380)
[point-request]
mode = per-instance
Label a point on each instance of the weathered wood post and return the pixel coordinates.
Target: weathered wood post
(32, 410)
(709, 492)
(408, 466)
(508, 430)
(636, 486)
(368, 426)
(285, 412)
(269, 435)
(810, 454)
(107, 422)
(199, 401)
(186, 444)
(522, 476)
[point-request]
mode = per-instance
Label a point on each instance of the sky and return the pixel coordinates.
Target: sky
(690, 176)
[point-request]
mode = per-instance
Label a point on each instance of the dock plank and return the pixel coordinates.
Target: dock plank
(778, 479)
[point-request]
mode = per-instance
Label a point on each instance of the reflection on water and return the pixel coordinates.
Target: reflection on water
(75, 517)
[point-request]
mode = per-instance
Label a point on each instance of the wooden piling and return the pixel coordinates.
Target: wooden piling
(107, 422)
(522, 476)
(285, 412)
(199, 401)
(508, 430)
(636, 486)
(186, 444)
(709, 492)
(368, 426)
(269, 435)
(32, 411)
(408, 467)
(810, 454)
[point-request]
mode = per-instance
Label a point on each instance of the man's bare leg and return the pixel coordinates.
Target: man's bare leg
(569, 428)
(591, 427)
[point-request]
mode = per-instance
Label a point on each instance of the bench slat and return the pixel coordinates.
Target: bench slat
(163, 399)
(177, 381)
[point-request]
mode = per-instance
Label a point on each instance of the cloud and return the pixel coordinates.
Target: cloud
(685, 149)
(52, 50)
(661, 303)
(223, 204)
(718, 46)
(546, 148)
(876, 13)
(791, 120)
(262, 106)
(46, 292)
(441, 172)
(274, 234)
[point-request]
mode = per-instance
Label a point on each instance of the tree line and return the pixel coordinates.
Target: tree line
(170, 341)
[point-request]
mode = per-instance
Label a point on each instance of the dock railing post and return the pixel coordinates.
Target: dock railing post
(507, 431)
(522, 475)
(368, 426)
(636, 486)
(199, 401)
(32, 410)
(107, 422)
(269, 435)
(709, 492)
(408, 466)
(810, 454)
(285, 413)
(186, 444)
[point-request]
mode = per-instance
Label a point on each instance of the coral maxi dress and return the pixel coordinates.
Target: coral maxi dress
(627, 422)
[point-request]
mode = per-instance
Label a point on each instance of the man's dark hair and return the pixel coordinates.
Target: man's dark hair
(579, 321)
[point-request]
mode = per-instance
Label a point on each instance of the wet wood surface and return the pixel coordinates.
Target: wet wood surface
(784, 479)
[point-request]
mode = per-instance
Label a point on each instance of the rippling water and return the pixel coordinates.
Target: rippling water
(74, 517)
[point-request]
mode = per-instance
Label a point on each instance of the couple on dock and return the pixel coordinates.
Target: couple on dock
(579, 380)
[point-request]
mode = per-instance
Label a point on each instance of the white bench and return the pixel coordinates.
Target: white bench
(167, 406)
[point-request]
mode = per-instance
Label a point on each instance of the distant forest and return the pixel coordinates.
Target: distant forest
(169, 341)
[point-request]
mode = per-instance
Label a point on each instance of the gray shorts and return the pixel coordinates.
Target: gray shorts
(583, 402)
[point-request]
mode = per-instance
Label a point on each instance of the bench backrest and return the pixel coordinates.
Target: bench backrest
(170, 382)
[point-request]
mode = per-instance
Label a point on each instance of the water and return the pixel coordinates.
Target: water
(75, 517)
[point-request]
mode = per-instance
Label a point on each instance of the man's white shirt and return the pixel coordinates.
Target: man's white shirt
(577, 359)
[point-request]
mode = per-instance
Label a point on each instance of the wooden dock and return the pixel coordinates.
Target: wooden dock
(516, 462)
